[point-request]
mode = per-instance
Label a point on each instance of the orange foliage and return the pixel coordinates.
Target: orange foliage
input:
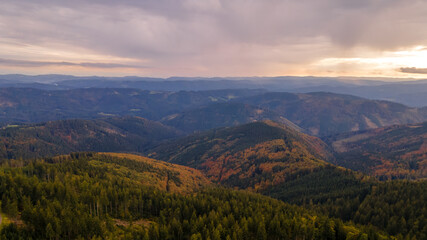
(276, 158)
(191, 178)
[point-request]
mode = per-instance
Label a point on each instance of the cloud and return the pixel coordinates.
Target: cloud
(413, 70)
(212, 37)
(25, 63)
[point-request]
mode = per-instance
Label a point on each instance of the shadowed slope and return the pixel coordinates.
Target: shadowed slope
(127, 134)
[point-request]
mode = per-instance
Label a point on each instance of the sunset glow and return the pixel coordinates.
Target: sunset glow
(215, 38)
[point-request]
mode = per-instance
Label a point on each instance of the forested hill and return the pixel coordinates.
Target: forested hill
(398, 151)
(255, 155)
(222, 115)
(92, 196)
(149, 172)
(287, 165)
(26, 105)
(266, 157)
(323, 114)
(125, 134)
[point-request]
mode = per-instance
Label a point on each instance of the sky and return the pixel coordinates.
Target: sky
(162, 38)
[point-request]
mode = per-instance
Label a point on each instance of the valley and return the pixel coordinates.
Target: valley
(213, 120)
(132, 163)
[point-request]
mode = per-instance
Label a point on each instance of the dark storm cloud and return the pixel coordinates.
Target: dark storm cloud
(413, 70)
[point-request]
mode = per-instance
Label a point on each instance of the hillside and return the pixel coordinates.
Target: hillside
(280, 162)
(221, 115)
(398, 207)
(97, 196)
(145, 171)
(260, 156)
(323, 114)
(398, 151)
(126, 134)
(26, 105)
(266, 157)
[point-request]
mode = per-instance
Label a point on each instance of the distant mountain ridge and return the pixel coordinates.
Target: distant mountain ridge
(319, 114)
(323, 114)
(222, 115)
(25, 105)
(410, 92)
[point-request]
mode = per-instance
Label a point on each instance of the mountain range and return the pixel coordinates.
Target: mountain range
(24, 105)
(410, 92)
(319, 114)
(324, 114)
(180, 158)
